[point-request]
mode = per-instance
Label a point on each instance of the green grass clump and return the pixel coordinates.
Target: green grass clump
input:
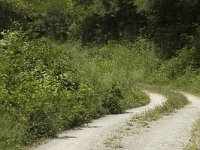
(195, 140)
(175, 101)
(136, 98)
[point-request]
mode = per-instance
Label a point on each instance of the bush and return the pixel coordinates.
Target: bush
(113, 101)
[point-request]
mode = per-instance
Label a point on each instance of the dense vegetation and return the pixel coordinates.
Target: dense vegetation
(65, 62)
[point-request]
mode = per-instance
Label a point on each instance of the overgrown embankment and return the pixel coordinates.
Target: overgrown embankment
(48, 87)
(45, 86)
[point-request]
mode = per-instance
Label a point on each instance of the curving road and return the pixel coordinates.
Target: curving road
(171, 132)
(95, 133)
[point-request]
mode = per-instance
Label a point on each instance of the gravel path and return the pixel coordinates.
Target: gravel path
(169, 133)
(95, 133)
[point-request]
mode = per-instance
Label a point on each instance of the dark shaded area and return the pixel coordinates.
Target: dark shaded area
(167, 22)
(66, 137)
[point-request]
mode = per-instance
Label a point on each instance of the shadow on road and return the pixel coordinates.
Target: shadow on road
(65, 137)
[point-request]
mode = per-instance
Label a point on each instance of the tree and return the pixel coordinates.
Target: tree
(171, 19)
(13, 12)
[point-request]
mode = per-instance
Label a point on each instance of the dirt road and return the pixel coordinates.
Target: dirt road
(171, 132)
(95, 133)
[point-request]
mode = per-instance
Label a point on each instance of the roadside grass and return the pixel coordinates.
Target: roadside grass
(195, 140)
(111, 143)
(175, 101)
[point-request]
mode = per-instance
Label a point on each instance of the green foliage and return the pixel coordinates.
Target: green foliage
(14, 12)
(166, 22)
(12, 132)
(169, 21)
(181, 71)
(136, 98)
(45, 86)
(48, 87)
(113, 100)
(64, 20)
